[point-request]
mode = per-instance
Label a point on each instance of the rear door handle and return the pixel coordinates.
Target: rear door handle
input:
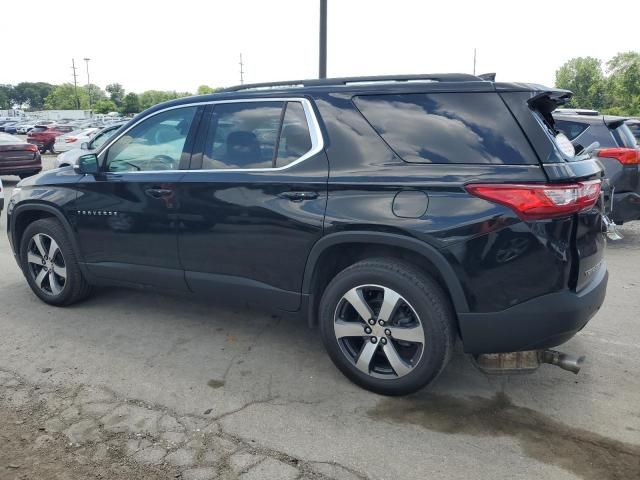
(157, 192)
(299, 196)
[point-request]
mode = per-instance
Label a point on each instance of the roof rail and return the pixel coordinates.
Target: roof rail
(436, 77)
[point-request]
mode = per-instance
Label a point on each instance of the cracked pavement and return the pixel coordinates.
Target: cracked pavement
(202, 391)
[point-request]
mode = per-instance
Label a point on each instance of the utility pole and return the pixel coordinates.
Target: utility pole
(86, 60)
(241, 71)
(474, 61)
(323, 40)
(75, 82)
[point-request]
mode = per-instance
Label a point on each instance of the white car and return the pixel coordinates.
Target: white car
(69, 158)
(74, 139)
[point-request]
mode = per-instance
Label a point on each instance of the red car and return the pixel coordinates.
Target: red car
(44, 136)
(18, 157)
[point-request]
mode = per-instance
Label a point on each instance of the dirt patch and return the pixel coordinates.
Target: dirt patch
(28, 452)
(586, 454)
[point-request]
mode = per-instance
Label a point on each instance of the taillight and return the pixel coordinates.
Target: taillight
(536, 202)
(70, 139)
(32, 148)
(626, 156)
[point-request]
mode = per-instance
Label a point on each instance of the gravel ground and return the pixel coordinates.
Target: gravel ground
(138, 385)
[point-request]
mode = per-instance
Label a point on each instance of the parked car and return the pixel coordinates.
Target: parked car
(18, 157)
(619, 154)
(396, 213)
(70, 157)
(44, 136)
(73, 139)
(28, 125)
(9, 127)
(634, 126)
(5, 123)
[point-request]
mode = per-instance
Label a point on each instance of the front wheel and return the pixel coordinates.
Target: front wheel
(387, 326)
(49, 264)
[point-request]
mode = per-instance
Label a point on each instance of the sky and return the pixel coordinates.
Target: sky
(165, 45)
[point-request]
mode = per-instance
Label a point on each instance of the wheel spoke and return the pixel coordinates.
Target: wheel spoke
(389, 304)
(34, 258)
(56, 288)
(40, 277)
(348, 329)
(357, 301)
(53, 249)
(410, 334)
(399, 366)
(60, 271)
(366, 354)
(37, 239)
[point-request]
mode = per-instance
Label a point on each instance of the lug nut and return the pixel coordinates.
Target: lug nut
(387, 332)
(372, 321)
(374, 340)
(383, 341)
(381, 322)
(367, 330)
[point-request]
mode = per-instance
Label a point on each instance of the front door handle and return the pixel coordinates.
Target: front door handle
(157, 192)
(299, 196)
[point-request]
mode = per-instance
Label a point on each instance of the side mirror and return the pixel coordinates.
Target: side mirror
(84, 146)
(87, 164)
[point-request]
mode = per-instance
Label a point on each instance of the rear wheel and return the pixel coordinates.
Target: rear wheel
(50, 265)
(387, 326)
(52, 148)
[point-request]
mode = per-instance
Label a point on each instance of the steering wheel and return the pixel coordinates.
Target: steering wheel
(161, 162)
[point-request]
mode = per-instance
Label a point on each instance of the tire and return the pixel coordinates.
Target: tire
(421, 303)
(53, 287)
(52, 148)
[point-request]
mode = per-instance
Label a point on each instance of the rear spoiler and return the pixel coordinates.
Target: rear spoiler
(548, 100)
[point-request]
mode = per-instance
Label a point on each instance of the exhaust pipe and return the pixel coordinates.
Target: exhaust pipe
(563, 360)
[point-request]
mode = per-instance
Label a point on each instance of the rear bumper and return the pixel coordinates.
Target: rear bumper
(542, 322)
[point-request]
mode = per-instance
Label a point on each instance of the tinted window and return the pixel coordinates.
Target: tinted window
(154, 144)
(624, 136)
(570, 129)
(447, 127)
(243, 135)
(38, 129)
(295, 139)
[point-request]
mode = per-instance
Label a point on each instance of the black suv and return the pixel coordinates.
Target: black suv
(397, 213)
(617, 152)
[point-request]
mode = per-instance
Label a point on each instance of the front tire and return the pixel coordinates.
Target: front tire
(409, 334)
(49, 264)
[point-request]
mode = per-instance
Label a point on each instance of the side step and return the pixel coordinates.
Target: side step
(525, 362)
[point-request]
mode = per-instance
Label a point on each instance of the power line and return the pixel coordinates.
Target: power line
(75, 82)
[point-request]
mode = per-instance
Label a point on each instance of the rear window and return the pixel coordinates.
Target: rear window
(447, 128)
(624, 136)
(38, 129)
(571, 129)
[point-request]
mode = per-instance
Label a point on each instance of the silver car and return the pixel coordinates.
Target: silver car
(70, 157)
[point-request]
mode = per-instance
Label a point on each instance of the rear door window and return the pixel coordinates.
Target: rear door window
(295, 139)
(448, 128)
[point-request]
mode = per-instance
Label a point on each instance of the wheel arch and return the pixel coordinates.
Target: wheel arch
(365, 244)
(25, 214)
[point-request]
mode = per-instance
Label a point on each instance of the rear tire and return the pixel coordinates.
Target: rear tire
(52, 148)
(412, 345)
(50, 265)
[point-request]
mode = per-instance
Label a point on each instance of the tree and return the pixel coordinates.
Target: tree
(63, 97)
(6, 97)
(131, 104)
(31, 95)
(623, 86)
(153, 97)
(105, 106)
(205, 89)
(584, 77)
(116, 93)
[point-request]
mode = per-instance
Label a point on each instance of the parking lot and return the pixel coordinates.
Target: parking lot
(168, 387)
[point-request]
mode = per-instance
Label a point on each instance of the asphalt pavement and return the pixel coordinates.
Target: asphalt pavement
(213, 391)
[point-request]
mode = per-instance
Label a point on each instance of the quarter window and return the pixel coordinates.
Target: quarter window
(155, 144)
(295, 139)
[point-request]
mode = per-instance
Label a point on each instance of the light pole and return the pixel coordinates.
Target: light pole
(323, 39)
(88, 81)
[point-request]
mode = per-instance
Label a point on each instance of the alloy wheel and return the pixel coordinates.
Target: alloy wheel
(46, 264)
(379, 331)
